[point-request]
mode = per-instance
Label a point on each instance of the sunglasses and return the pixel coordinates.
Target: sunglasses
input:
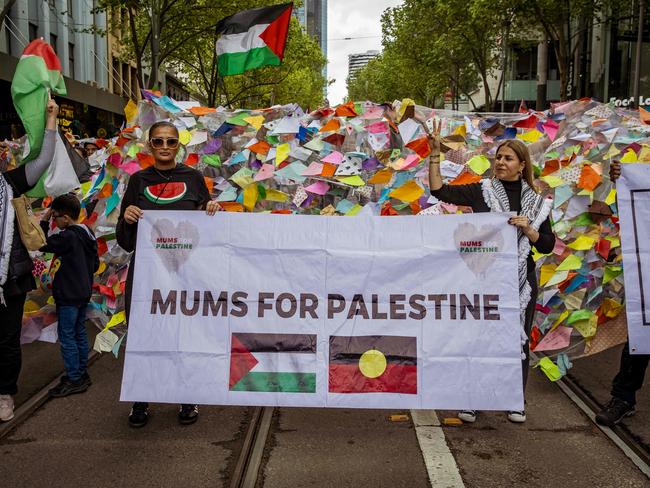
(159, 142)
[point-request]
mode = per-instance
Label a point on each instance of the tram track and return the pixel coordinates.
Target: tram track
(36, 401)
(250, 457)
(619, 435)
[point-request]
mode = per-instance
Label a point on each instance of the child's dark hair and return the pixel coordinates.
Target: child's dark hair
(67, 204)
(162, 123)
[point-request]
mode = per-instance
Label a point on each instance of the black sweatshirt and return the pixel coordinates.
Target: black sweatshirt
(472, 196)
(180, 188)
(76, 248)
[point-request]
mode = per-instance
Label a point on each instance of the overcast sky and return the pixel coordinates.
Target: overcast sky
(351, 18)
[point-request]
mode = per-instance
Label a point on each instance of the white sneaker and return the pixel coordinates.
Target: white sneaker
(517, 417)
(468, 416)
(6, 408)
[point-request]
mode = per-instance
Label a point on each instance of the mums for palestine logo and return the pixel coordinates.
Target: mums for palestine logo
(174, 242)
(478, 247)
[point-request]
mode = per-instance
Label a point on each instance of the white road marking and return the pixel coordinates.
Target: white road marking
(440, 463)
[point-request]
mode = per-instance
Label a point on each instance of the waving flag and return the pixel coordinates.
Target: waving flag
(38, 73)
(253, 38)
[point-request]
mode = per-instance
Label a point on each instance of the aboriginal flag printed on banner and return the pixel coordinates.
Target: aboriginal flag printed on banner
(373, 364)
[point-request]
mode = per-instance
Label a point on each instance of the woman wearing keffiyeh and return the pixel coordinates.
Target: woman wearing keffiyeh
(511, 189)
(15, 264)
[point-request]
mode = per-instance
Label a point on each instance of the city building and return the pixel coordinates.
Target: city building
(99, 82)
(89, 109)
(358, 61)
(603, 68)
(313, 16)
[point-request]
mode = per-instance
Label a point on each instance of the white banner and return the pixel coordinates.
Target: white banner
(634, 211)
(372, 312)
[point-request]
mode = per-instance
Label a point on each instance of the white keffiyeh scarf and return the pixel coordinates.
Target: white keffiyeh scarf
(536, 208)
(7, 216)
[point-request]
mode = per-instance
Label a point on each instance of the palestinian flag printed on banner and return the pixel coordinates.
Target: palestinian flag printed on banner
(273, 363)
(252, 39)
(373, 364)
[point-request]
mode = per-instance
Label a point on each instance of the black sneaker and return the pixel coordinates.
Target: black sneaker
(86, 378)
(615, 411)
(188, 414)
(68, 387)
(139, 415)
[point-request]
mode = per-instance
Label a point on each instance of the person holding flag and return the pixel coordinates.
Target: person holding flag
(15, 263)
(37, 75)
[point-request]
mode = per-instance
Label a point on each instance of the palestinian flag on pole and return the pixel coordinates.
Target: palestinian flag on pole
(273, 363)
(253, 38)
(373, 364)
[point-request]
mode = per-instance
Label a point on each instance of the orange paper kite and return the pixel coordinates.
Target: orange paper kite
(466, 179)
(589, 178)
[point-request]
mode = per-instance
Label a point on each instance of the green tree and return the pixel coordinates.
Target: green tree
(163, 34)
(436, 46)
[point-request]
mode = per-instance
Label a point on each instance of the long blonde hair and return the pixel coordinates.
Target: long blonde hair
(521, 150)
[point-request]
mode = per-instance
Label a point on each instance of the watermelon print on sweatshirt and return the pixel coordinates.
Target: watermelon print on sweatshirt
(181, 188)
(165, 193)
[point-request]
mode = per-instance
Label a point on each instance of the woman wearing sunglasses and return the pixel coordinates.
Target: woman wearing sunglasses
(163, 186)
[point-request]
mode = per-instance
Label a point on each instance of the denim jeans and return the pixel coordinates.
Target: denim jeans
(73, 339)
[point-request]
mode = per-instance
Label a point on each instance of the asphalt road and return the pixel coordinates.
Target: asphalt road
(84, 440)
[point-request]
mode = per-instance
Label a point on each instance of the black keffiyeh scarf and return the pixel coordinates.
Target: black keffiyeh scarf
(536, 208)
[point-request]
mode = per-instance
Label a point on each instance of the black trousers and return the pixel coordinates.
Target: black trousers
(11, 316)
(528, 324)
(630, 376)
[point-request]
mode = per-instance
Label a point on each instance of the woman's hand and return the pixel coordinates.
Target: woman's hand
(47, 215)
(615, 170)
(52, 111)
(434, 138)
(522, 222)
(132, 214)
(213, 207)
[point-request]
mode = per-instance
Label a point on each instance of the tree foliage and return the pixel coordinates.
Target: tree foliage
(444, 45)
(433, 47)
(158, 35)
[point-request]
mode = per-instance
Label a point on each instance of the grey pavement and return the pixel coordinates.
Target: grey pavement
(557, 446)
(595, 374)
(84, 440)
(42, 364)
(343, 448)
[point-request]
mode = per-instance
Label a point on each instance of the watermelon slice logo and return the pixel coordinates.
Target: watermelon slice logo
(165, 193)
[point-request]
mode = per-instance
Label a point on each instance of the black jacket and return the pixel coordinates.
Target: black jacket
(76, 248)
